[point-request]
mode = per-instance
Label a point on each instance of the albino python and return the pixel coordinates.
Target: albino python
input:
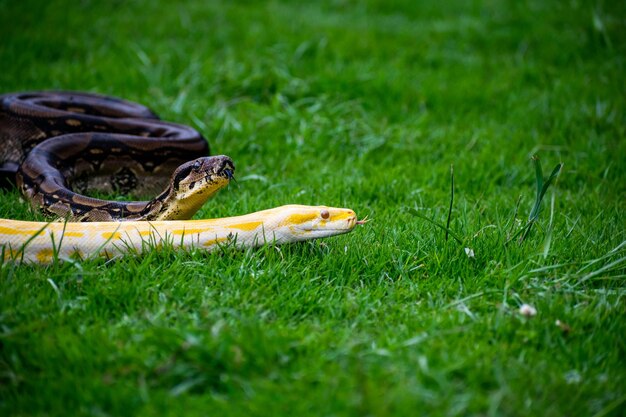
(57, 146)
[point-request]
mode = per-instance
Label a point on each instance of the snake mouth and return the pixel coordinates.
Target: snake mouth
(331, 228)
(226, 169)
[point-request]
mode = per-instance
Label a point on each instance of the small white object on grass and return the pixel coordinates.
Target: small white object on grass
(527, 310)
(469, 252)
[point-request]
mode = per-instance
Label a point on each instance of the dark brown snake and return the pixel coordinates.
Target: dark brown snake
(58, 146)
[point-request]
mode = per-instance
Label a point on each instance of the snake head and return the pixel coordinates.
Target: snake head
(192, 184)
(312, 222)
(206, 174)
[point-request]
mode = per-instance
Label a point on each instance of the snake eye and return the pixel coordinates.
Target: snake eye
(325, 214)
(196, 165)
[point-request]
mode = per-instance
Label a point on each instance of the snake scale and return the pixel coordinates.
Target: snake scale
(60, 146)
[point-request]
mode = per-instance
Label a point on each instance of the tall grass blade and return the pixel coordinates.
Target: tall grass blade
(542, 187)
(451, 200)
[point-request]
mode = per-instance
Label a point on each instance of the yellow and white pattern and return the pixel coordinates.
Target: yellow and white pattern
(41, 242)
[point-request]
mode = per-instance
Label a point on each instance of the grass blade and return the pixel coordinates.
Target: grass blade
(439, 225)
(451, 200)
(542, 187)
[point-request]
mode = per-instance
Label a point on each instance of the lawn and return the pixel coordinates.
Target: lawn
(350, 104)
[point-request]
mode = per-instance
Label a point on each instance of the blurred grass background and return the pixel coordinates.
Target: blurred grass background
(363, 105)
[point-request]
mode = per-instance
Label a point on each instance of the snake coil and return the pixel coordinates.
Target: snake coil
(60, 145)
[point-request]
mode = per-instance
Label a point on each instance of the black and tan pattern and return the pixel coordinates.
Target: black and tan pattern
(60, 145)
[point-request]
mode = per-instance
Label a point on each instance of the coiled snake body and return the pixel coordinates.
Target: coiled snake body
(57, 146)
(61, 145)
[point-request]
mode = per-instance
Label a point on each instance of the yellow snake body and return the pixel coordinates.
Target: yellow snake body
(42, 242)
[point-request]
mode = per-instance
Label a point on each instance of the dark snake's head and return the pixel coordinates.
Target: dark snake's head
(195, 181)
(206, 174)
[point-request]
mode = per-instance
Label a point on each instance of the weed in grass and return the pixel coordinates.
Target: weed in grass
(542, 187)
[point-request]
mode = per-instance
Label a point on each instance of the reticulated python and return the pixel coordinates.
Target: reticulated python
(57, 146)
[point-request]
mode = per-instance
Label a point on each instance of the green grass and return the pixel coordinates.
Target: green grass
(362, 105)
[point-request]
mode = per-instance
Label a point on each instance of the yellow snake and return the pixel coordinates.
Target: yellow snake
(44, 242)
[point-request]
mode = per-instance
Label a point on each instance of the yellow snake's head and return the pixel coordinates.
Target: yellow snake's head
(312, 222)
